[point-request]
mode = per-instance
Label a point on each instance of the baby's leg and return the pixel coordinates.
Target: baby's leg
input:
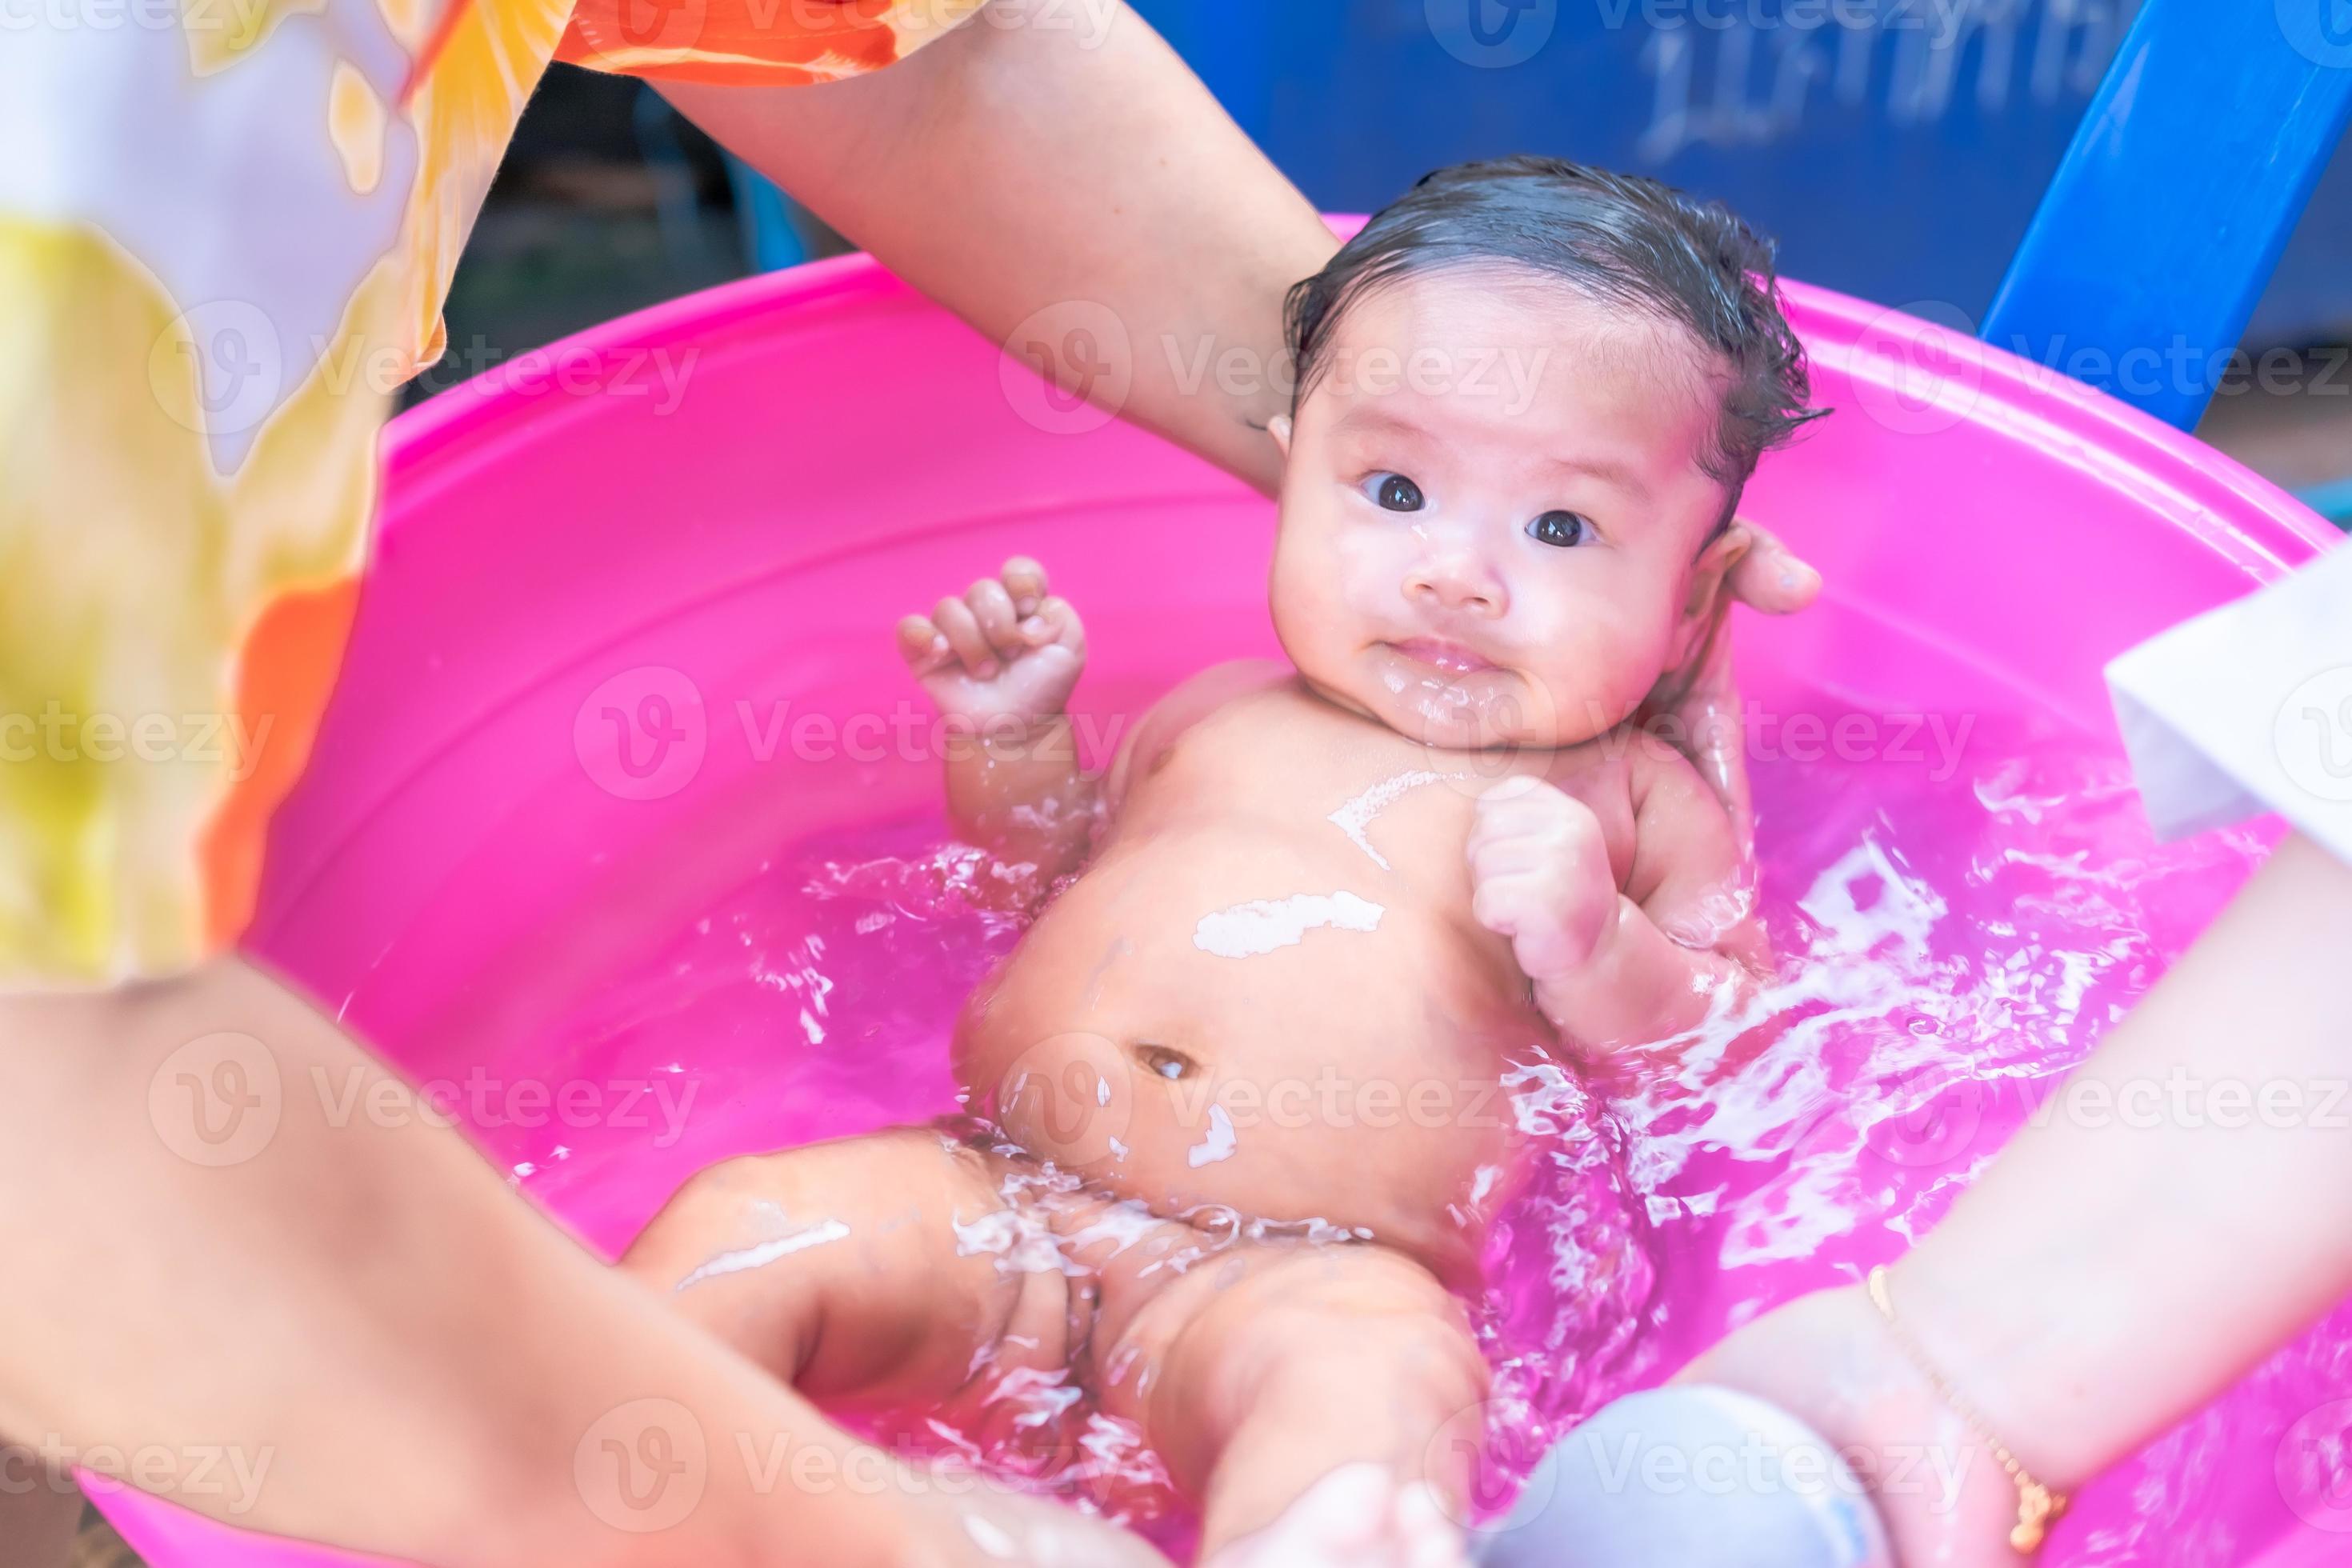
(1259, 1374)
(838, 1267)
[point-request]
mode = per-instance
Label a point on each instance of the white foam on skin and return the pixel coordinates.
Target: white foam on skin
(1218, 1145)
(1356, 817)
(1019, 1239)
(766, 1252)
(1264, 924)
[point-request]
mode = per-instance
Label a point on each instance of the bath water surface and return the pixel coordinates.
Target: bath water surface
(1959, 914)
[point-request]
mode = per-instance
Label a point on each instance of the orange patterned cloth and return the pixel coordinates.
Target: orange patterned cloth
(226, 233)
(752, 41)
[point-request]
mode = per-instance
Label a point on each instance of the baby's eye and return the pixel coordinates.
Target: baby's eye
(1395, 492)
(1561, 528)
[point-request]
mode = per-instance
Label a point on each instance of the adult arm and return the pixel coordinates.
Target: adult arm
(383, 1348)
(1063, 161)
(401, 1350)
(1016, 167)
(2187, 1206)
(1698, 707)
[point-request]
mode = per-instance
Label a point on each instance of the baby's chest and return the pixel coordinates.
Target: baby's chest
(1286, 761)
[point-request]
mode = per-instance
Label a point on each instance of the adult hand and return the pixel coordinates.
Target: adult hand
(2105, 1275)
(1697, 707)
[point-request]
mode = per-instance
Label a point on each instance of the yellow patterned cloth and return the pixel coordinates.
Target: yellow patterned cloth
(226, 227)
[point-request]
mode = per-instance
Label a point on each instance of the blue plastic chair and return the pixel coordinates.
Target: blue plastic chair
(769, 240)
(2165, 221)
(763, 212)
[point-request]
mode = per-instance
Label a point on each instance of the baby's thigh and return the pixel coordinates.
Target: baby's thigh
(1348, 1336)
(840, 1267)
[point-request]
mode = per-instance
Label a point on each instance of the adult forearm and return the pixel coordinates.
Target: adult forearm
(2190, 1187)
(1041, 161)
(347, 1328)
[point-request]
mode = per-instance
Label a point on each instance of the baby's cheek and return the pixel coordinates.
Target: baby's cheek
(1597, 670)
(1316, 618)
(1290, 594)
(1367, 567)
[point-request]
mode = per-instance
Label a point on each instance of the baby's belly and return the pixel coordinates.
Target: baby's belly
(1243, 1028)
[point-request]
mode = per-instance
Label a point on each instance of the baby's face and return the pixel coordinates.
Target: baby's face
(1494, 514)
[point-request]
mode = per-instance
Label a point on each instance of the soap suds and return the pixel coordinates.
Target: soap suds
(1355, 817)
(766, 1252)
(1261, 926)
(1218, 1145)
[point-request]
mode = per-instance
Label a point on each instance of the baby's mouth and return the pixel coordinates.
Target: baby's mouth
(1444, 657)
(1444, 694)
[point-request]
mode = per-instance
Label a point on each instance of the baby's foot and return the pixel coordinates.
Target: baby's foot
(1355, 1517)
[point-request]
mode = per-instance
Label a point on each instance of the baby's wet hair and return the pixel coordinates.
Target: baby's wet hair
(1618, 239)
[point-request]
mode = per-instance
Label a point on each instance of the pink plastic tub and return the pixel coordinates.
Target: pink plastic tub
(534, 769)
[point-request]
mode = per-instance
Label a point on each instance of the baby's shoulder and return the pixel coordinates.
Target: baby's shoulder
(1217, 687)
(1198, 697)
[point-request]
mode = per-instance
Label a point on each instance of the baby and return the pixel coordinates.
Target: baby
(1237, 1130)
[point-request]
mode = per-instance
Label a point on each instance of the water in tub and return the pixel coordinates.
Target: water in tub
(1961, 904)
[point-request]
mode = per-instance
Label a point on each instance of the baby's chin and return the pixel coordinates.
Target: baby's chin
(1479, 710)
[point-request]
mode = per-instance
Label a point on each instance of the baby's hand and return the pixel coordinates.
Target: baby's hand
(1006, 648)
(1539, 874)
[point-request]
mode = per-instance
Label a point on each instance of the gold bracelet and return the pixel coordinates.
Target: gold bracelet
(2038, 1508)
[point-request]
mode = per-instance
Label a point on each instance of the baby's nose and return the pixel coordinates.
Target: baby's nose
(1456, 582)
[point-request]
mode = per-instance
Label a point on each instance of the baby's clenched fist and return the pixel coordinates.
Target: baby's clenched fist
(1007, 647)
(1539, 874)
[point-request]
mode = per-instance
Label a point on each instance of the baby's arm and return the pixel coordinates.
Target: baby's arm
(1615, 966)
(1000, 662)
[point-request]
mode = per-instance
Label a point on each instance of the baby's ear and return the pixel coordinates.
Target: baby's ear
(1705, 601)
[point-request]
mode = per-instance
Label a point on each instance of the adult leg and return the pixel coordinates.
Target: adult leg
(408, 1358)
